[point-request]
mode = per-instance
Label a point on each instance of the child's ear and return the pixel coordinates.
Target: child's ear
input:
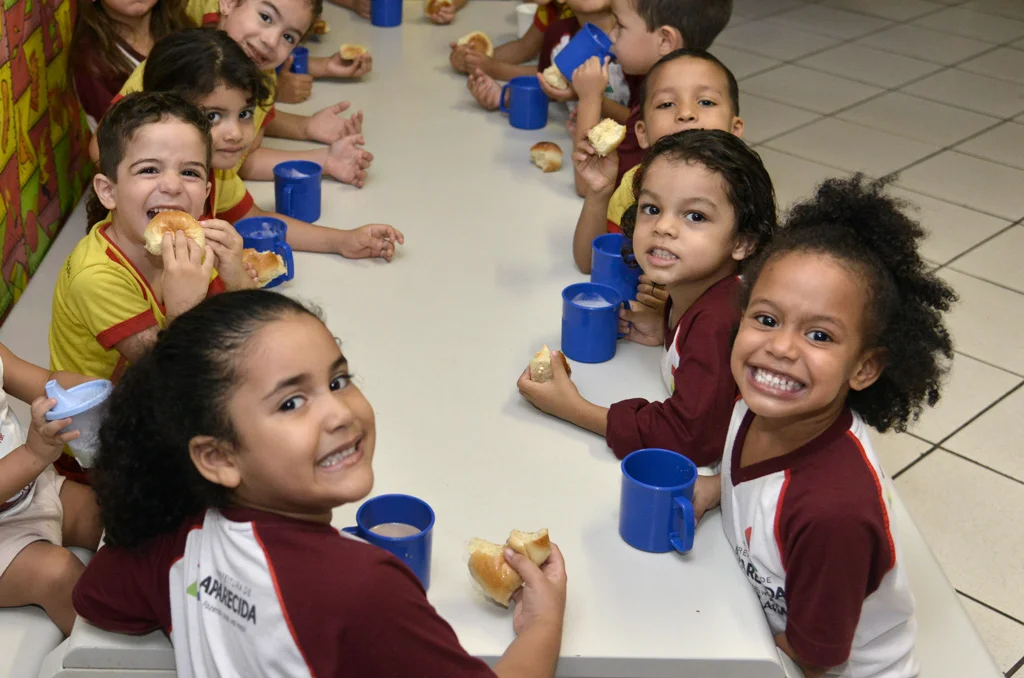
(641, 134)
(669, 40)
(104, 188)
(227, 5)
(742, 248)
(215, 461)
(868, 370)
(738, 126)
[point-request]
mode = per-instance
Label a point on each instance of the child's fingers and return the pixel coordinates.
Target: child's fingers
(52, 428)
(40, 406)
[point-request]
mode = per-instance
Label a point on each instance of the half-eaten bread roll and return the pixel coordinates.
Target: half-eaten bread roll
(495, 576)
(350, 52)
(554, 77)
(268, 265)
(547, 156)
(169, 222)
(540, 365)
(606, 136)
(434, 6)
(320, 27)
(478, 42)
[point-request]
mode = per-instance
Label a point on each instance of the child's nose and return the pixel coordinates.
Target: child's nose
(337, 413)
(782, 344)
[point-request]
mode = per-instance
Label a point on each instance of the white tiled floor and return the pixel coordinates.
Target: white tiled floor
(933, 90)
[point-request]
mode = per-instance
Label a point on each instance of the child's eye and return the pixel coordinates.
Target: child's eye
(193, 173)
(665, 104)
(247, 114)
(290, 38)
(292, 404)
(819, 336)
(707, 102)
(695, 217)
(148, 170)
(649, 209)
(766, 320)
(214, 118)
(265, 17)
(341, 381)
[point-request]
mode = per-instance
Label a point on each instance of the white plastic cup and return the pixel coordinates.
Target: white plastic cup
(524, 16)
(85, 404)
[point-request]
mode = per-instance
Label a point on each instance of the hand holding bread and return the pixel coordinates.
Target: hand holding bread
(540, 365)
(350, 52)
(477, 41)
(267, 265)
(606, 136)
(171, 221)
(496, 577)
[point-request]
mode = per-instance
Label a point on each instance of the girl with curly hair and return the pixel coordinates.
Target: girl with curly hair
(224, 454)
(842, 329)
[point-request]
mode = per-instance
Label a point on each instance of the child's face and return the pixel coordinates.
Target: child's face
(635, 48)
(799, 349)
(685, 225)
(268, 30)
(164, 167)
(589, 7)
(232, 124)
(687, 94)
(305, 433)
(129, 8)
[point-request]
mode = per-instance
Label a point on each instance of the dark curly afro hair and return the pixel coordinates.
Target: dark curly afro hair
(854, 221)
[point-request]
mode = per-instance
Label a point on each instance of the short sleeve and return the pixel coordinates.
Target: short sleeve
(233, 200)
(116, 590)
(542, 18)
(833, 562)
(621, 199)
(110, 303)
(92, 90)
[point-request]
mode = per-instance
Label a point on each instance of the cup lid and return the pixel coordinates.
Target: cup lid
(76, 399)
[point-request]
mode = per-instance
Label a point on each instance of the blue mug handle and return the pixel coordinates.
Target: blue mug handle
(683, 541)
(501, 101)
(353, 530)
(285, 250)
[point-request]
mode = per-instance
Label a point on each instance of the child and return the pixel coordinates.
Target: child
(705, 204)
(685, 89)
(212, 71)
(445, 14)
(645, 31)
(842, 329)
(41, 512)
(217, 513)
(111, 38)
(507, 59)
(268, 39)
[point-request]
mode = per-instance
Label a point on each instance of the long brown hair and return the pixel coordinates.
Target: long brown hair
(96, 32)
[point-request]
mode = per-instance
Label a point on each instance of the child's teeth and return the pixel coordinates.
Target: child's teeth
(663, 254)
(775, 381)
(337, 457)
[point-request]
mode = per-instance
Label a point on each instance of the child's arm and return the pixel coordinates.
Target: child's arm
(615, 111)
(809, 671)
(325, 126)
(26, 381)
(590, 81)
(335, 67)
(371, 240)
(43, 447)
(560, 398)
(227, 245)
(598, 176)
(360, 7)
(345, 160)
(522, 50)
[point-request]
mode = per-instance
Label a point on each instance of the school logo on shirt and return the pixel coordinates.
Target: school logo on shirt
(222, 593)
(770, 593)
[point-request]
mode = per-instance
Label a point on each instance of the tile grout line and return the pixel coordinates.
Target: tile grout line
(1016, 667)
(978, 463)
(985, 362)
(990, 607)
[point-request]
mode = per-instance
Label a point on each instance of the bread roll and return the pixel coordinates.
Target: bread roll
(268, 265)
(606, 136)
(351, 52)
(495, 576)
(320, 27)
(554, 77)
(540, 366)
(547, 156)
(169, 222)
(434, 6)
(478, 42)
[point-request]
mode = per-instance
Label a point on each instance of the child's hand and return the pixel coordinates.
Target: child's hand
(186, 276)
(293, 88)
(484, 89)
(444, 15)
(560, 95)
(541, 600)
(598, 173)
(360, 7)
(590, 80)
(570, 123)
(336, 67)
(347, 161)
(457, 58)
(45, 440)
(707, 494)
(477, 61)
(642, 325)
(328, 125)
(556, 397)
(372, 240)
(226, 244)
(650, 295)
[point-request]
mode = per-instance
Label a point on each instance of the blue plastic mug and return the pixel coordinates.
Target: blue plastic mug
(386, 13)
(300, 60)
(267, 234)
(589, 41)
(527, 104)
(399, 514)
(590, 322)
(297, 189)
(608, 267)
(656, 504)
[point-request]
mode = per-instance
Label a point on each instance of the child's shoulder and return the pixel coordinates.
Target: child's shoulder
(94, 255)
(717, 310)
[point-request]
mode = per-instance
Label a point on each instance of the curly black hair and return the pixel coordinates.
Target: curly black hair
(854, 221)
(747, 183)
(144, 478)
